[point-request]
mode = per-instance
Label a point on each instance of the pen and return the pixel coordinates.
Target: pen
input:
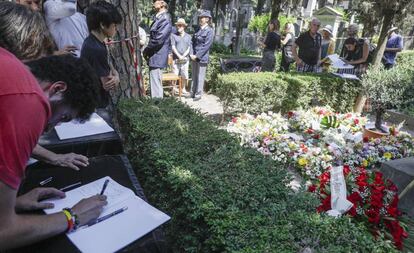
(70, 186)
(104, 186)
(48, 180)
(106, 217)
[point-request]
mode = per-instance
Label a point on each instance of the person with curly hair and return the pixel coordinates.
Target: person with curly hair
(62, 88)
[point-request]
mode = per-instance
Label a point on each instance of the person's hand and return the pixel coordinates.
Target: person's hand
(30, 200)
(111, 82)
(67, 50)
(71, 160)
(89, 209)
(299, 62)
(193, 57)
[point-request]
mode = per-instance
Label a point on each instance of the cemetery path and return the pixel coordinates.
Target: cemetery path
(212, 108)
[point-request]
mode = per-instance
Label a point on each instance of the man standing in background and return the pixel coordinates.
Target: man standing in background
(156, 52)
(394, 46)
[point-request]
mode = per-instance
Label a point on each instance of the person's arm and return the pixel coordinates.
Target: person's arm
(287, 38)
(158, 40)
(298, 61)
(365, 53)
(206, 45)
(56, 10)
(18, 230)
(71, 160)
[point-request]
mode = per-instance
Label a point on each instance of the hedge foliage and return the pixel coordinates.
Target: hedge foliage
(260, 92)
(223, 197)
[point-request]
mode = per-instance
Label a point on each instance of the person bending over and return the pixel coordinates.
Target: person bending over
(61, 88)
(24, 33)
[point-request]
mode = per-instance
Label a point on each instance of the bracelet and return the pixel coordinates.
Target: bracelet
(74, 218)
(69, 218)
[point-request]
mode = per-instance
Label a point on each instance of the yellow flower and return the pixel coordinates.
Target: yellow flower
(365, 163)
(388, 155)
(302, 161)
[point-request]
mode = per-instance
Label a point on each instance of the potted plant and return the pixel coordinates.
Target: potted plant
(385, 89)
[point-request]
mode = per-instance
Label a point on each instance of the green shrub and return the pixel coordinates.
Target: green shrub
(218, 48)
(223, 197)
(214, 68)
(405, 61)
(260, 92)
(260, 23)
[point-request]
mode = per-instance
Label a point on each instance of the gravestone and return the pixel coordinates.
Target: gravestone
(401, 172)
(329, 16)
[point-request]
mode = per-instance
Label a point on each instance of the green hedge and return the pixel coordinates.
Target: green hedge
(223, 197)
(259, 92)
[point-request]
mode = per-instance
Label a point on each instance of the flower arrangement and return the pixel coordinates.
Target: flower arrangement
(306, 143)
(375, 200)
(315, 140)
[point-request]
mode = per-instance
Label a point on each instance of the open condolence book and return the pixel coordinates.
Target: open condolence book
(136, 219)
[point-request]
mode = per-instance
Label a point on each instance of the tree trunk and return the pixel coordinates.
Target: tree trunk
(172, 9)
(382, 42)
(208, 5)
(120, 53)
(259, 7)
(275, 9)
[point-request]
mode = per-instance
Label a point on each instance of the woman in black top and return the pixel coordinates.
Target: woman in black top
(271, 44)
(356, 53)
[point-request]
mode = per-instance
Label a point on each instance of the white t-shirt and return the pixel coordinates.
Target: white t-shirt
(68, 27)
(142, 37)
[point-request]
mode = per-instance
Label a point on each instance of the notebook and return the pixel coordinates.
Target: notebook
(118, 231)
(74, 129)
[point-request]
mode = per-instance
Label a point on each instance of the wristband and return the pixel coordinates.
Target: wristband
(69, 218)
(74, 218)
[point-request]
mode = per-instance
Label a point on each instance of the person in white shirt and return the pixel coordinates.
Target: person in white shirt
(67, 26)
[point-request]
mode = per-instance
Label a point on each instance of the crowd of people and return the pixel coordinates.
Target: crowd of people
(310, 50)
(167, 41)
(56, 68)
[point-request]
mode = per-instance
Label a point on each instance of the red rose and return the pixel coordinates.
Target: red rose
(310, 131)
(312, 188)
(316, 136)
(378, 177)
(366, 139)
(326, 205)
(347, 170)
(234, 120)
(356, 121)
(290, 114)
(392, 211)
(373, 216)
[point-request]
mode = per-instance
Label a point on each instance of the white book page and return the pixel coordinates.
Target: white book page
(338, 63)
(95, 125)
(120, 230)
(115, 193)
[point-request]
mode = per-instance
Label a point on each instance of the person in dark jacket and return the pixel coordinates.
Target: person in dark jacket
(202, 41)
(158, 48)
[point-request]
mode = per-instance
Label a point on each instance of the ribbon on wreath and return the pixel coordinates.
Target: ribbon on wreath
(339, 202)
